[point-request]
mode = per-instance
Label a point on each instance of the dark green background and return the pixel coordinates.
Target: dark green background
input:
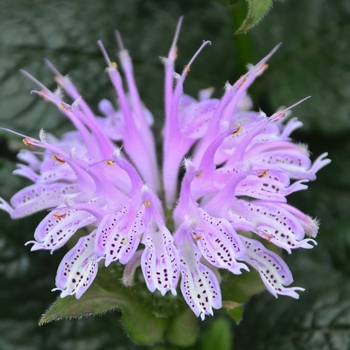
(313, 60)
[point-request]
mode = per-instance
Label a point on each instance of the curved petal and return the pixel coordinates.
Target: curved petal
(219, 243)
(40, 196)
(273, 223)
(119, 237)
(58, 226)
(199, 285)
(159, 260)
(273, 270)
(78, 268)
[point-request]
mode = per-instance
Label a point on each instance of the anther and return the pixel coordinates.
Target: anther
(199, 174)
(110, 162)
(29, 142)
(58, 79)
(147, 204)
(277, 116)
(242, 80)
(59, 216)
(43, 93)
(267, 236)
(187, 68)
(263, 173)
(196, 236)
(262, 69)
(58, 159)
(237, 130)
(173, 49)
(65, 107)
(280, 114)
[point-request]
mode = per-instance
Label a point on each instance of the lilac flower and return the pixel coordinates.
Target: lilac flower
(242, 168)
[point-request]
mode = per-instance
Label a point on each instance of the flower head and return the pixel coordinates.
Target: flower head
(181, 231)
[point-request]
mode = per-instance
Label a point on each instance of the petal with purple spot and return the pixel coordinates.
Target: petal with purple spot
(199, 285)
(273, 270)
(58, 226)
(78, 268)
(41, 196)
(219, 243)
(159, 260)
(273, 223)
(118, 235)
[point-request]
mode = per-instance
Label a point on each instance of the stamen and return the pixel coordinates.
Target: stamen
(33, 141)
(119, 40)
(199, 174)
(237, 130)
(147, 204)
(58, 159)
(65, 107)
(267, 236)
(297, 103)
(35, 81)
(266, 58)
(28, 142)
(187, 67)
(48, 97)
(110, 162)
(280, 114)
(263, 173)
(105, 55)
(52, 68)
(59, 216)
(196, 236)
(241, 81)
(173, 49)
(261, 69)
(43, 94)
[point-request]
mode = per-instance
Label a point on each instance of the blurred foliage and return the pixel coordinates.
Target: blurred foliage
(314, 60)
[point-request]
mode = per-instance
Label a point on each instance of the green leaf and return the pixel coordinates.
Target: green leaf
(142, 326)
(313, 60)
(219, 336)
(257, 9)
(183, 329)
(148, 318)
(320, 320)
(237, 289)
(235, 310)
(95, 301)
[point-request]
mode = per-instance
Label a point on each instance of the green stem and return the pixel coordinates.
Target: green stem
(242, 41)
